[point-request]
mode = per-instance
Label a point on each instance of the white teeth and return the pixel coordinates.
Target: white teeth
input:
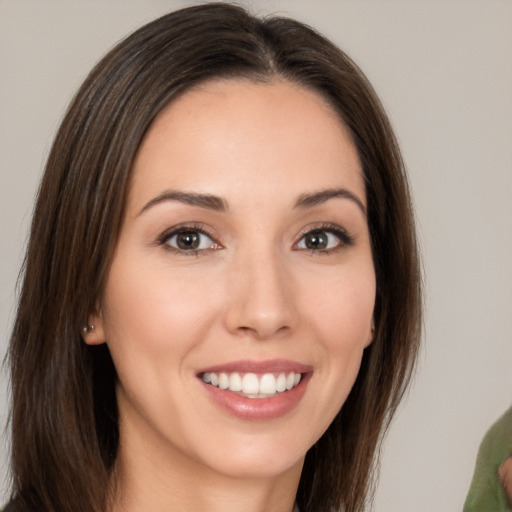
(267, 384)
(252, 385)
(235, 382)
(281, 383)
(223, 381)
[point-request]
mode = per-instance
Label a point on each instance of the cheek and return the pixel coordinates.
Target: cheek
(342, 318)
(153, 321)
(343, 309)
(149, 310)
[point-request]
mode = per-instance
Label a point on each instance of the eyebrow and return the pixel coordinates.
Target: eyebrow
(316, 198)
(208, 201)
(215, 203)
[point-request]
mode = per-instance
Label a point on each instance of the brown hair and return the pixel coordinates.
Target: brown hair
(64, 413)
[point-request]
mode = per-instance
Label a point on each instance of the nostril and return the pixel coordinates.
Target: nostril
(264, 331)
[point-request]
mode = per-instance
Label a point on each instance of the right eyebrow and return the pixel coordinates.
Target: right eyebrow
(208, 201)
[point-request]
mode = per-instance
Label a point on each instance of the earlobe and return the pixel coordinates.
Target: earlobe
(93, 332)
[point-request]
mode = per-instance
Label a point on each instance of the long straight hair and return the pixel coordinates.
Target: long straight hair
(64, 411)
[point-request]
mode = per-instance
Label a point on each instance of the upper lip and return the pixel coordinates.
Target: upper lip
(252, 366)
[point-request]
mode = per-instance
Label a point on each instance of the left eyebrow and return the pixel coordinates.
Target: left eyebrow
(316, 198)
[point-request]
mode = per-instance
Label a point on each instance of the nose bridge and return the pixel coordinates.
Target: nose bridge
(262, 301)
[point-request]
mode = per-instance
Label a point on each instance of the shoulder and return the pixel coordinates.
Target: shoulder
(11, 507)
(497, 442)
(485, 492)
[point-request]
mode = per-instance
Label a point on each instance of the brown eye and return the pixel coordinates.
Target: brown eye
(190, 240)
(324, 239)
(316, 240)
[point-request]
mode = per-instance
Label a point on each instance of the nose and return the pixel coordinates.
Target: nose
(262, 303)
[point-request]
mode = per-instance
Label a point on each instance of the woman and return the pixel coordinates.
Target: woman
(221, 297)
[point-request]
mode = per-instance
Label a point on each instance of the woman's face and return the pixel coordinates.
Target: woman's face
(241, 292)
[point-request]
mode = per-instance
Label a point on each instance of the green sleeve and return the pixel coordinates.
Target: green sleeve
(486, 493)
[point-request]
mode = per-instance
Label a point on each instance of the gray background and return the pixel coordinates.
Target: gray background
(443, 69)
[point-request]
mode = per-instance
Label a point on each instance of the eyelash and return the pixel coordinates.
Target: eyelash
(164, 238)
(344, 237)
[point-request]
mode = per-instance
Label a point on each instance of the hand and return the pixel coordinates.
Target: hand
(505, 473)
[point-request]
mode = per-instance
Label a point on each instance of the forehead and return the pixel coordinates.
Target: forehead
(233, 137)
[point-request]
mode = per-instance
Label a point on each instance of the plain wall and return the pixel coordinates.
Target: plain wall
(443, 70)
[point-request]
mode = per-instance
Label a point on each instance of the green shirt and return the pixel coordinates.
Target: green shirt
(486, 493)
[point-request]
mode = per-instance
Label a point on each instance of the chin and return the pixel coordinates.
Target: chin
(255, 456)
(260, 467)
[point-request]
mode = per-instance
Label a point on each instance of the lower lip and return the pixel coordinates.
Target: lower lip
(258, 408)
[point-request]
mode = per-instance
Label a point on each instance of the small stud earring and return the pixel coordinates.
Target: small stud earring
(87, 329)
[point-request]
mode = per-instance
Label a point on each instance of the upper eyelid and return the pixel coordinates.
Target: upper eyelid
(163, 241)
(189, 226)
(345, 236)
(175, 230)
(324, 227)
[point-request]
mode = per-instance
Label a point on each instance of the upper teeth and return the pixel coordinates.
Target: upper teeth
(253, 385)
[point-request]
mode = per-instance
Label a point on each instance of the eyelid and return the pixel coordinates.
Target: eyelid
(184, 227)
(345, 238)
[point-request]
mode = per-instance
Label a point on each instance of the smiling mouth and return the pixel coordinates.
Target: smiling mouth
(252, 385)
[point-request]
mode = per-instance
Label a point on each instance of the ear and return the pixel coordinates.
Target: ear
(93, 333)
(371, 334)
